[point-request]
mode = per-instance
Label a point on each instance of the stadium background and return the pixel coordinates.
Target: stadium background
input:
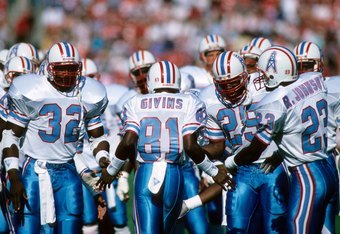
(108, 31)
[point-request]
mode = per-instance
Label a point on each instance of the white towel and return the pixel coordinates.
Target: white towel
(47, 206)
(157, 176)
(224, 200)
(110, 197)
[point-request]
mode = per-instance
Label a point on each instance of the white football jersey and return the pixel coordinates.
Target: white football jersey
(235, 125)
(333, 99)
(54, 119)
(161, 120)
(197, 77)
(295, 117)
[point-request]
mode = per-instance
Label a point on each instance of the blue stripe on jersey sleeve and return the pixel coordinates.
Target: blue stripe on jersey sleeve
(132, 127)
(17, 119)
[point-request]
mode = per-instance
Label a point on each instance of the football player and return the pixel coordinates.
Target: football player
(50, 111)
(294, 115)
(159, 126)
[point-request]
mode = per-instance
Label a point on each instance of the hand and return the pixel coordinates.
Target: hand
(105, 179)
(224, 178)
(101, 206)
(271, 163)
(104, 162)
(90, 180)
(123, 186)
(17, 195)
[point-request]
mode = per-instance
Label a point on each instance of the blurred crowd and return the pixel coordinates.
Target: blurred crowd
(109, 31)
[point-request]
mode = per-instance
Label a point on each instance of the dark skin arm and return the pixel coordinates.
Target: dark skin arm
(125, 149)
(196, 153)
(214, 150)
(104, 145)
(251, 153)
(17, 191)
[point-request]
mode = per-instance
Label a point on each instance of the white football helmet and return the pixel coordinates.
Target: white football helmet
(139, 65)
(3, 56)
(261, 43)
(17, 66)
(211, 42)
(249, 51)
(90, 69)
(163, 74)
(64, 65)
(309, 57)
(230, 78)
(24, 49)
(277, 64)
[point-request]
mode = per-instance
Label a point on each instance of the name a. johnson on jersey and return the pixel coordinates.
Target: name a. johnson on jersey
(162, 102)
(302, 91)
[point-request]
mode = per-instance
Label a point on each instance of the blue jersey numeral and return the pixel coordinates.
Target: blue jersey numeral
(236, 124)
(54, 113)
(310, 114)
(150, 143)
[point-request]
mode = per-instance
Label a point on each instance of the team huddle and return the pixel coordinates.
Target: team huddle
(247, 142)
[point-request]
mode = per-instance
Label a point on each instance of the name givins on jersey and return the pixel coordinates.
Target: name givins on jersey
(161, 103)
(304, 90)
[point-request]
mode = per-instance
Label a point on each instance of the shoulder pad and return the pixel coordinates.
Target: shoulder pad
(31, 86)
(92, 91)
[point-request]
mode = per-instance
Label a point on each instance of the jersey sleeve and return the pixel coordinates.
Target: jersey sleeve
(130, 118)
(213, 131)
(20, 110)
(196, 116)
(270, 117)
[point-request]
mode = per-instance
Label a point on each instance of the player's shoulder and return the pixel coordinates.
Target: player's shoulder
(92, 91)
(31, 86)
(208, 95)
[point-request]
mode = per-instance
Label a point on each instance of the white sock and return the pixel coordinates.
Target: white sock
(122, 230)
(90, 229)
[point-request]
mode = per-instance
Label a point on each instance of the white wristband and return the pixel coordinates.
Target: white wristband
(102, 154)
(78, 162)
(207, 166)
(193, 202)
(125, 175)
(115, 165)
(11, 163)
(230, 162)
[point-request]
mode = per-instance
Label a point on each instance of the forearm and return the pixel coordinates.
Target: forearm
(214, 150)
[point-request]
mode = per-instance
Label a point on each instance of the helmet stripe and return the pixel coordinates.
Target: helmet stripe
(173, 73)
(228, 63)
(255, 41)
(142, 52)
(68, 53)
(32, 51)
(72, 49)
(302, 47)
(168, 73)
(261, 41)
(308, 46)
(162, 72)
(28, 63)
(212, 38)
(61, 49)
(222, 72)
(137, 56)
(22, 61)
(133, 58)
